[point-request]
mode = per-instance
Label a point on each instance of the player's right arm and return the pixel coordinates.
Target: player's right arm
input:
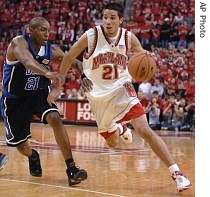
(18, 51)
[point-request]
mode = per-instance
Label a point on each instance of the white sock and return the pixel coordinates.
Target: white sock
(173, 168)
(121, 128)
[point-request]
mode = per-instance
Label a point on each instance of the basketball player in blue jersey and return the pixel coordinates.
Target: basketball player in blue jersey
(112, 97)
(27, 92)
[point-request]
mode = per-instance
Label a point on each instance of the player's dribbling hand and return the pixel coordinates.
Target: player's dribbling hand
(86, 84)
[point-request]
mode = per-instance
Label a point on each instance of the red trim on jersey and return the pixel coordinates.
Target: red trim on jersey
(118, 38)
(86, 54)
(126, 41)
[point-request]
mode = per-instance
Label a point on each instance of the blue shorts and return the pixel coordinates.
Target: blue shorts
(17, 114)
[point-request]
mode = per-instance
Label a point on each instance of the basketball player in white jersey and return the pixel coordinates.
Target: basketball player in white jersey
(112, 97)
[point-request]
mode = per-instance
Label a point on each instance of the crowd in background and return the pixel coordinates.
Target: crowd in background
(164, 27)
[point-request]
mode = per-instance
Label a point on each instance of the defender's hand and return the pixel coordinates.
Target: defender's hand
(55, 77)
(53, 96)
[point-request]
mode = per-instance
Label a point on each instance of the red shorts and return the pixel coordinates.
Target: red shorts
(136, 111)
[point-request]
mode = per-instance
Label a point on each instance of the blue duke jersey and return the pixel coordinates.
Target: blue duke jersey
(105, 61)
(16, 86)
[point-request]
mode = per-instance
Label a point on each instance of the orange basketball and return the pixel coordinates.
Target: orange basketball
(141, 66)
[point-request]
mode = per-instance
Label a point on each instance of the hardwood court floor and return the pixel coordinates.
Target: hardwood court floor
(128, 171)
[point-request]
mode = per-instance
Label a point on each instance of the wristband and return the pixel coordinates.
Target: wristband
(83, 76)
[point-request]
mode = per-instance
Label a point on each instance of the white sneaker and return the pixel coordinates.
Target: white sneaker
(3, 160)
(182, 183)
(126, 135)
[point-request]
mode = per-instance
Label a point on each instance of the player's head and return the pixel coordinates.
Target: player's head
(112, 18)
(39, 30)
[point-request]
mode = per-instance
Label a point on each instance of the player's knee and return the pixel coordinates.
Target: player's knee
(53, 117)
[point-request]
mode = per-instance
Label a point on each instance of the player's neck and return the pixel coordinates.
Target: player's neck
(113, 35)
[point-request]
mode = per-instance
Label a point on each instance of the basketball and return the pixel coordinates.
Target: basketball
(141, 66)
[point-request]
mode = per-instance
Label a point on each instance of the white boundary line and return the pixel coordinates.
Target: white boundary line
(62, 187)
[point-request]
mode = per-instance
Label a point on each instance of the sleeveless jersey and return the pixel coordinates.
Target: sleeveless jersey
(19, 81)
(105, 63)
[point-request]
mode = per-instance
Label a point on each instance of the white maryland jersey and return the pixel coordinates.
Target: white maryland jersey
(105, 62)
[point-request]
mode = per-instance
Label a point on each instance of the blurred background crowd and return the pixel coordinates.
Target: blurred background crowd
(164, 27)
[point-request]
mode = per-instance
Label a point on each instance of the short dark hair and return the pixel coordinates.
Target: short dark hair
(37, 21)
(155, 92)
(117, 7)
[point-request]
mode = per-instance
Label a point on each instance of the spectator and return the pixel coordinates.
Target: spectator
(137, 12)
(143, 99)
(190, 89)
(191, 35)
(61, 30)
(179, 18)
(178, 62)
(155, 98)
(154, 114)
(53, 32)
(145, 87)
(165, 98)
(170, 75)
(147, 10)
(189, 123)
(155, 35)
(181, 89)
(68, 35)
(160, 19)
(157, 86)
(62, 93)
(190, 20)
(71, 82)
(145, 33)
(156, 10)
(172, 114)
(79, 31)
(183, 32)
(81, 94)
(61, 21)
(71, 93)
(171, 19)
(174, 36)
(163, 68)
(165, 32)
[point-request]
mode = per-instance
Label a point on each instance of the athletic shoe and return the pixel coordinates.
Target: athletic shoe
(34, 164)
(182, 182)
(3, 160)
(126, 135)
(75, 175)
